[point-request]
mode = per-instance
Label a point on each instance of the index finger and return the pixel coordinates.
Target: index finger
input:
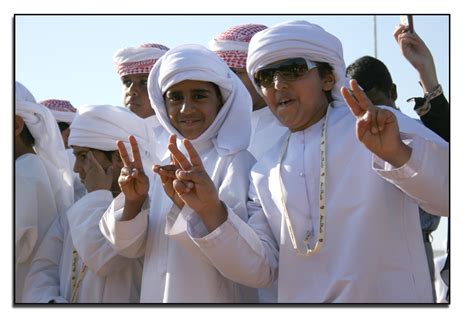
(137, 160)
(193, 154)
(360, 95)
(178, 156)
(123, 153)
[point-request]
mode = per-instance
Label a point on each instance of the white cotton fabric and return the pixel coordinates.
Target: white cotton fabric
(109, 277)
(373, 251)
(49, 144)
(22, 93)
(38, 201)
(228, 45)
(195, 62)
(297, 39)
(101, 126)
(67, 117)
(175, 270)
(136, 54)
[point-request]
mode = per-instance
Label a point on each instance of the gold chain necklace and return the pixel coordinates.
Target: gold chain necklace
(322, 197)
(75, 282)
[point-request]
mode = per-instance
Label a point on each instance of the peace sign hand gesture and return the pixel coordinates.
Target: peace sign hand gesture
(167, 175)
(194, 186)
(376, 128)
(132, 180)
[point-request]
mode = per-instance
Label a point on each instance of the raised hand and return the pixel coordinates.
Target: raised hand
(194, 186)
(96, 177)
(132, 180)
(418, 55)
(167, 175)
(376, 128)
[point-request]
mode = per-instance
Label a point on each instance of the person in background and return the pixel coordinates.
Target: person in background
(433, 107)
(232, 46)
(133, 65)
(64, 113)
(75, 264)
(43, 179)
(374, 77)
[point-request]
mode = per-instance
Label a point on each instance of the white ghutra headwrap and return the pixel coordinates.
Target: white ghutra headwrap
(230, 131)
(100, 126)
(48, 144)
(297, 39)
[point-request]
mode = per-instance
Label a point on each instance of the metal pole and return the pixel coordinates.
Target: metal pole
(375, 36)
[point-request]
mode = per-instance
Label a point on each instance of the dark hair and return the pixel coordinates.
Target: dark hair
(63, 126)
(218, 93)
(370, 73)
(108, 153)
(323, 70)
(27, 137)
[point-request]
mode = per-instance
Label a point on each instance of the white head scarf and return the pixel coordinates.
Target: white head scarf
(100, 127)
(297, 39)
(230, 131)
(49, 144)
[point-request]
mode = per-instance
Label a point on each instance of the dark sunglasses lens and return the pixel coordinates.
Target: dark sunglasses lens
(290, 70)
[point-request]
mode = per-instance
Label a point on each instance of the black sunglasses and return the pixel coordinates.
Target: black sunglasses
(290, 69)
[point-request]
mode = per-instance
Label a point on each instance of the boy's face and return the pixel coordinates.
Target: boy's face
(135, 94)
(83, 164)
(192, 106)
(299, 103)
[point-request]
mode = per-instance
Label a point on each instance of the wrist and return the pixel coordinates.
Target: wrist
(399, 156)
(215, 216)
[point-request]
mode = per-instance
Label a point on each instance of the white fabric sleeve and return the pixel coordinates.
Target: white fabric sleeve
(26, 217)
(425, 177)
(128, 238)
(240, 250)
(245, 252)
(91, 245)
(42, 282)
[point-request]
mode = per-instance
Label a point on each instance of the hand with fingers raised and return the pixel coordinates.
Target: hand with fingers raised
(167, 175)
(194, 186)
(132, 180)
(376, 128)
(418, 55)
(96, 177)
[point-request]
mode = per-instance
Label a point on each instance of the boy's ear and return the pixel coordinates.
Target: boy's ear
(328, 82)
(19, 125)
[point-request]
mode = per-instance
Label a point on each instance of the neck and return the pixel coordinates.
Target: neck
(320, 113)
(21, 150)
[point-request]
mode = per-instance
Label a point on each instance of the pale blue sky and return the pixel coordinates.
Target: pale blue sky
(70, 57)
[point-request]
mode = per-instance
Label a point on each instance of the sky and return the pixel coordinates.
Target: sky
(74, 61)
(70, 57)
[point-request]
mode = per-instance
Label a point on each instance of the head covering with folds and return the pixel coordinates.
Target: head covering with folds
(48, 144)
(297, 39)
(232, 44)
(230, 131)
(100, 126)
(138, 60)
(62, 110)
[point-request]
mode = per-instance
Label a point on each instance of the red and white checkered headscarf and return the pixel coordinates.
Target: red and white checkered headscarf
(232, 44)
(138, 60)
(62, 110)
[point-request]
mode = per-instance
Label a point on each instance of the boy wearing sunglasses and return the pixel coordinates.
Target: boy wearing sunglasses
(325, 201)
